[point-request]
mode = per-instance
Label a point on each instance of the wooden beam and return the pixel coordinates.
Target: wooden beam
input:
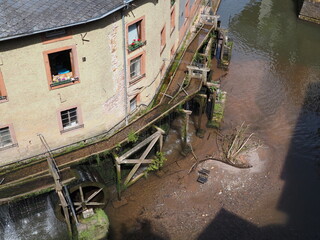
(129, 161)
(140, 145)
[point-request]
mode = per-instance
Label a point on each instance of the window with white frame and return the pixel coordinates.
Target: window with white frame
(5, 137)
(69, 118)
(135, 67)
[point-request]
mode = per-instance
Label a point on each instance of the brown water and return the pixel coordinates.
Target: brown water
(274, 85)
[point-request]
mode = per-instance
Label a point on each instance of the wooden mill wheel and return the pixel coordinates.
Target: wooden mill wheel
(84, 196)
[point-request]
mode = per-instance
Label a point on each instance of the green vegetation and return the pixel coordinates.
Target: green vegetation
(157, 162)
(132, 137)
(95, 227)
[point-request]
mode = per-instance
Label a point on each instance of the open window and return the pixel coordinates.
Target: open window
(61, 67)
(137, 68)
(3, 91)
(7, 137)
(136, 34)
(70, 119)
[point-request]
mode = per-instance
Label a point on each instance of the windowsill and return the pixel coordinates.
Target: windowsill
(64, 83)
(72, 128)
(10, 146)
(162, 48)
(136, 79)
(172, 29)
(143, 43)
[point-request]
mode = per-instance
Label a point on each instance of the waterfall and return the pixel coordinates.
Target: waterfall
(31, 218)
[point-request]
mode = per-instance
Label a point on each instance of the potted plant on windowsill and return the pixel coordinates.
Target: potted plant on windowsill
(136, 43)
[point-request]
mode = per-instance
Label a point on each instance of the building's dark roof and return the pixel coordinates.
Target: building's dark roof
(25, 17)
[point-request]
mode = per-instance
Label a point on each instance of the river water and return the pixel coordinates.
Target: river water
(274, 85)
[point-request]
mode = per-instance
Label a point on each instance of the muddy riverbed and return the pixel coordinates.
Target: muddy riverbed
(273, 84)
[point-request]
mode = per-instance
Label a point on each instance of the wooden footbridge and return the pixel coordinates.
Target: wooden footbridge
(34, 177)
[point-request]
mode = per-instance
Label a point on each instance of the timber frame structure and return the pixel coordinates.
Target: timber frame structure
(124, 159)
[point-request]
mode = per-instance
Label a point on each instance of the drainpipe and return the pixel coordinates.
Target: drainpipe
(124, 66)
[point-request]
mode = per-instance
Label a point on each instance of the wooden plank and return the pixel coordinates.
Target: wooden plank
(129, 161)
(143, 156)
(140, 145)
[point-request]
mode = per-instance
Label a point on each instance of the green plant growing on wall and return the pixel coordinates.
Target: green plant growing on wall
(157, 162)
(132, 137)
(118, 146)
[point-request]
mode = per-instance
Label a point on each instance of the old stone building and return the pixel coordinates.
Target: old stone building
(73, 70)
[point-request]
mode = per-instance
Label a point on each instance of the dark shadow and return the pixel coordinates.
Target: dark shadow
(300, 199)
(145, 230)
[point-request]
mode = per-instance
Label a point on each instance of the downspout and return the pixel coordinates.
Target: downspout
(124, 66)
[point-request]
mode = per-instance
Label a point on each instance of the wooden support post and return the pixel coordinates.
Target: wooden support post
(184, 133)
(118, 169)
(202, 100)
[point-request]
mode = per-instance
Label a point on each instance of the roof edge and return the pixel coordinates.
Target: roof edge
(126, 2)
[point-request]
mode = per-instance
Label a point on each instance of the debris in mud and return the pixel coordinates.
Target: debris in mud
(235, 143)
(203, 175)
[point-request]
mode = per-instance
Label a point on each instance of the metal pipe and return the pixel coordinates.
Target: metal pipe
(124, 67)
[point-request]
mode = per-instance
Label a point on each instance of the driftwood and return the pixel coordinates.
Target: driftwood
(230, 146)
(210, 158)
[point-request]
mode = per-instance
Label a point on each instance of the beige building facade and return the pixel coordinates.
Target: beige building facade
(72, 84)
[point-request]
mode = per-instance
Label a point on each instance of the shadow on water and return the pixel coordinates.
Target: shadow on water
(300, 198)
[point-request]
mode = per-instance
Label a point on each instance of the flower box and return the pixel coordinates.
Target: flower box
(136, 44)
(62, 82)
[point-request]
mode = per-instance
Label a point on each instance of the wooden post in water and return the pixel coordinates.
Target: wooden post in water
(202, 102)
(184, 132)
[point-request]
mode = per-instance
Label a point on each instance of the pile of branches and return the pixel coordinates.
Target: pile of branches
(230, 146)
(234, 143)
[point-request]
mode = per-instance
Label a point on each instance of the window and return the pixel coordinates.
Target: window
(133, 104)
(61, 67)
(136, 34)
(163, 38)
(137, 68)
(7, 137)
(172, 19)
(3, 92)
(70, 119)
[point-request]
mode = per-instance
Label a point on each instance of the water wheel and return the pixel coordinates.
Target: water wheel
(84, 196)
